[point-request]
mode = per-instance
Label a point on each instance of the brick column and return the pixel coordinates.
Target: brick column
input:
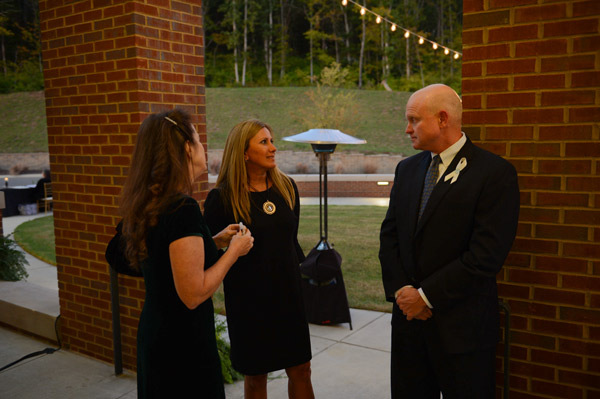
(531, 90)
(107, 65)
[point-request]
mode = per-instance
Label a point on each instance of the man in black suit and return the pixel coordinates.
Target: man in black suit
(451, 222)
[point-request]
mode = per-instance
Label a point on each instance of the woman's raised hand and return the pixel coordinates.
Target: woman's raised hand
(223, 238)
(241, 242)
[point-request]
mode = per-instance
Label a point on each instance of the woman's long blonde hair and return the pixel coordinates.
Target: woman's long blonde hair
(159, 173)
(233, 177)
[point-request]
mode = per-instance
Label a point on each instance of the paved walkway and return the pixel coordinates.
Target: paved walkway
(346, 364)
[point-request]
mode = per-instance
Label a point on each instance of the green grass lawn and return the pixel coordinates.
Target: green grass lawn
(354, 233)
(352, 230)
(378, 117)
(23, 123)
(37, 237)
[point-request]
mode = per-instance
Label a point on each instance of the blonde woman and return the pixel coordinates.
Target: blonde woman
(265, 314)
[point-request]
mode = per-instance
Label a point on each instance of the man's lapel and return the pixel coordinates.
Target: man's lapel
(442, 187)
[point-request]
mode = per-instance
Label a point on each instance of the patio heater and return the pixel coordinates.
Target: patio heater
(323, 142)
(324, 292)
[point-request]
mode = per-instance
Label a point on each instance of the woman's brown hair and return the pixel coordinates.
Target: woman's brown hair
(159, 173)
(233, 176)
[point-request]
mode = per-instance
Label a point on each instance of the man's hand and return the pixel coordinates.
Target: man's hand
(412, 305)
(424, 315)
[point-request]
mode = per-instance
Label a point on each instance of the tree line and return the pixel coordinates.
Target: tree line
(288, 42)
(284, 43)
(20, 46)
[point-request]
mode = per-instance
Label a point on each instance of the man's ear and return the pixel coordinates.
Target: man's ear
(443, 119)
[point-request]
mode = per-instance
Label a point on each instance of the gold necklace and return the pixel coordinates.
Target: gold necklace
(268, 207)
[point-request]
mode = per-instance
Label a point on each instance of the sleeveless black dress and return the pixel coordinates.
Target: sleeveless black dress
(267, 325)
(177, 353)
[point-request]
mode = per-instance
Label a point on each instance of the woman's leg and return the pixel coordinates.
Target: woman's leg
(299, 384)
(255, 386)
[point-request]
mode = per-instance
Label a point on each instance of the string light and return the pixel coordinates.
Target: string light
(378, 18)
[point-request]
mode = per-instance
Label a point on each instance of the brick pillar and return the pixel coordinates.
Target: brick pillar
(531, 90)
(107, 65)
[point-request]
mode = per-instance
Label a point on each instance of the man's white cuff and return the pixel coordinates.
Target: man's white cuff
(429, 305)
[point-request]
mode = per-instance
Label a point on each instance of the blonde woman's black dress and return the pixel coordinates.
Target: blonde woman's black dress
(263, 299)
(177, 353)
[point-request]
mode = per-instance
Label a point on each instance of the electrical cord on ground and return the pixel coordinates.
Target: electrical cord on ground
(47, 351)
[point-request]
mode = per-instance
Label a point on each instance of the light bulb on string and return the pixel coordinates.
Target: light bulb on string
(407, 33)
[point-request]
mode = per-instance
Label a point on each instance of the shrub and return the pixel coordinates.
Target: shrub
(27, 76)
(229, 374)
(18, 169)
(301, 168)
(370, 168)
(12, 260)
(330, 107)
(214, 166)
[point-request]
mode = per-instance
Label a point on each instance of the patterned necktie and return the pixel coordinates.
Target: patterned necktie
(430, 180)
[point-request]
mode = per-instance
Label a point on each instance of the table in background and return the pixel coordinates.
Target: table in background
(14, 196)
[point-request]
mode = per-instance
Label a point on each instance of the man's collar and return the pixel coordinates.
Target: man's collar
(449, 153)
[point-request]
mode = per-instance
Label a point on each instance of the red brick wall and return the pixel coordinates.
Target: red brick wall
(531, 89)
(107, 65)
(349, 188)
(346, 189)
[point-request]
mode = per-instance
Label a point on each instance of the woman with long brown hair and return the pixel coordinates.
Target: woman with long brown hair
(265, 313)
(169, 241)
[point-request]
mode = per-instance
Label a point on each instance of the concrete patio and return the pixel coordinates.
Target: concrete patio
(346, 364)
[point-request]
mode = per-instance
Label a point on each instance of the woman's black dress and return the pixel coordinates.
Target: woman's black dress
(265, 313)
(177, 353)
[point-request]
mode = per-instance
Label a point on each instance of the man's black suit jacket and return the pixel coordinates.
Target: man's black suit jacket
(456, 249)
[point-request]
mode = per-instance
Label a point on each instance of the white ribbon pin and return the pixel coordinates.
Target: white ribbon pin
(454, 175)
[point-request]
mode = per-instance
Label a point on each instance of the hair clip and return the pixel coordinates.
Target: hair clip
(171, 120)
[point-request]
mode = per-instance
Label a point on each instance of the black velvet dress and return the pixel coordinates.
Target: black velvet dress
(177, 353)
(263, 299)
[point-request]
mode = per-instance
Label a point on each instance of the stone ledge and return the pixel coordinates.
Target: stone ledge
(29, 307)
(340, 185)
(310, 177)
(341, 162)
(34, 161)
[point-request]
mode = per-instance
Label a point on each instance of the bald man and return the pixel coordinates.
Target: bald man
(451, 222)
